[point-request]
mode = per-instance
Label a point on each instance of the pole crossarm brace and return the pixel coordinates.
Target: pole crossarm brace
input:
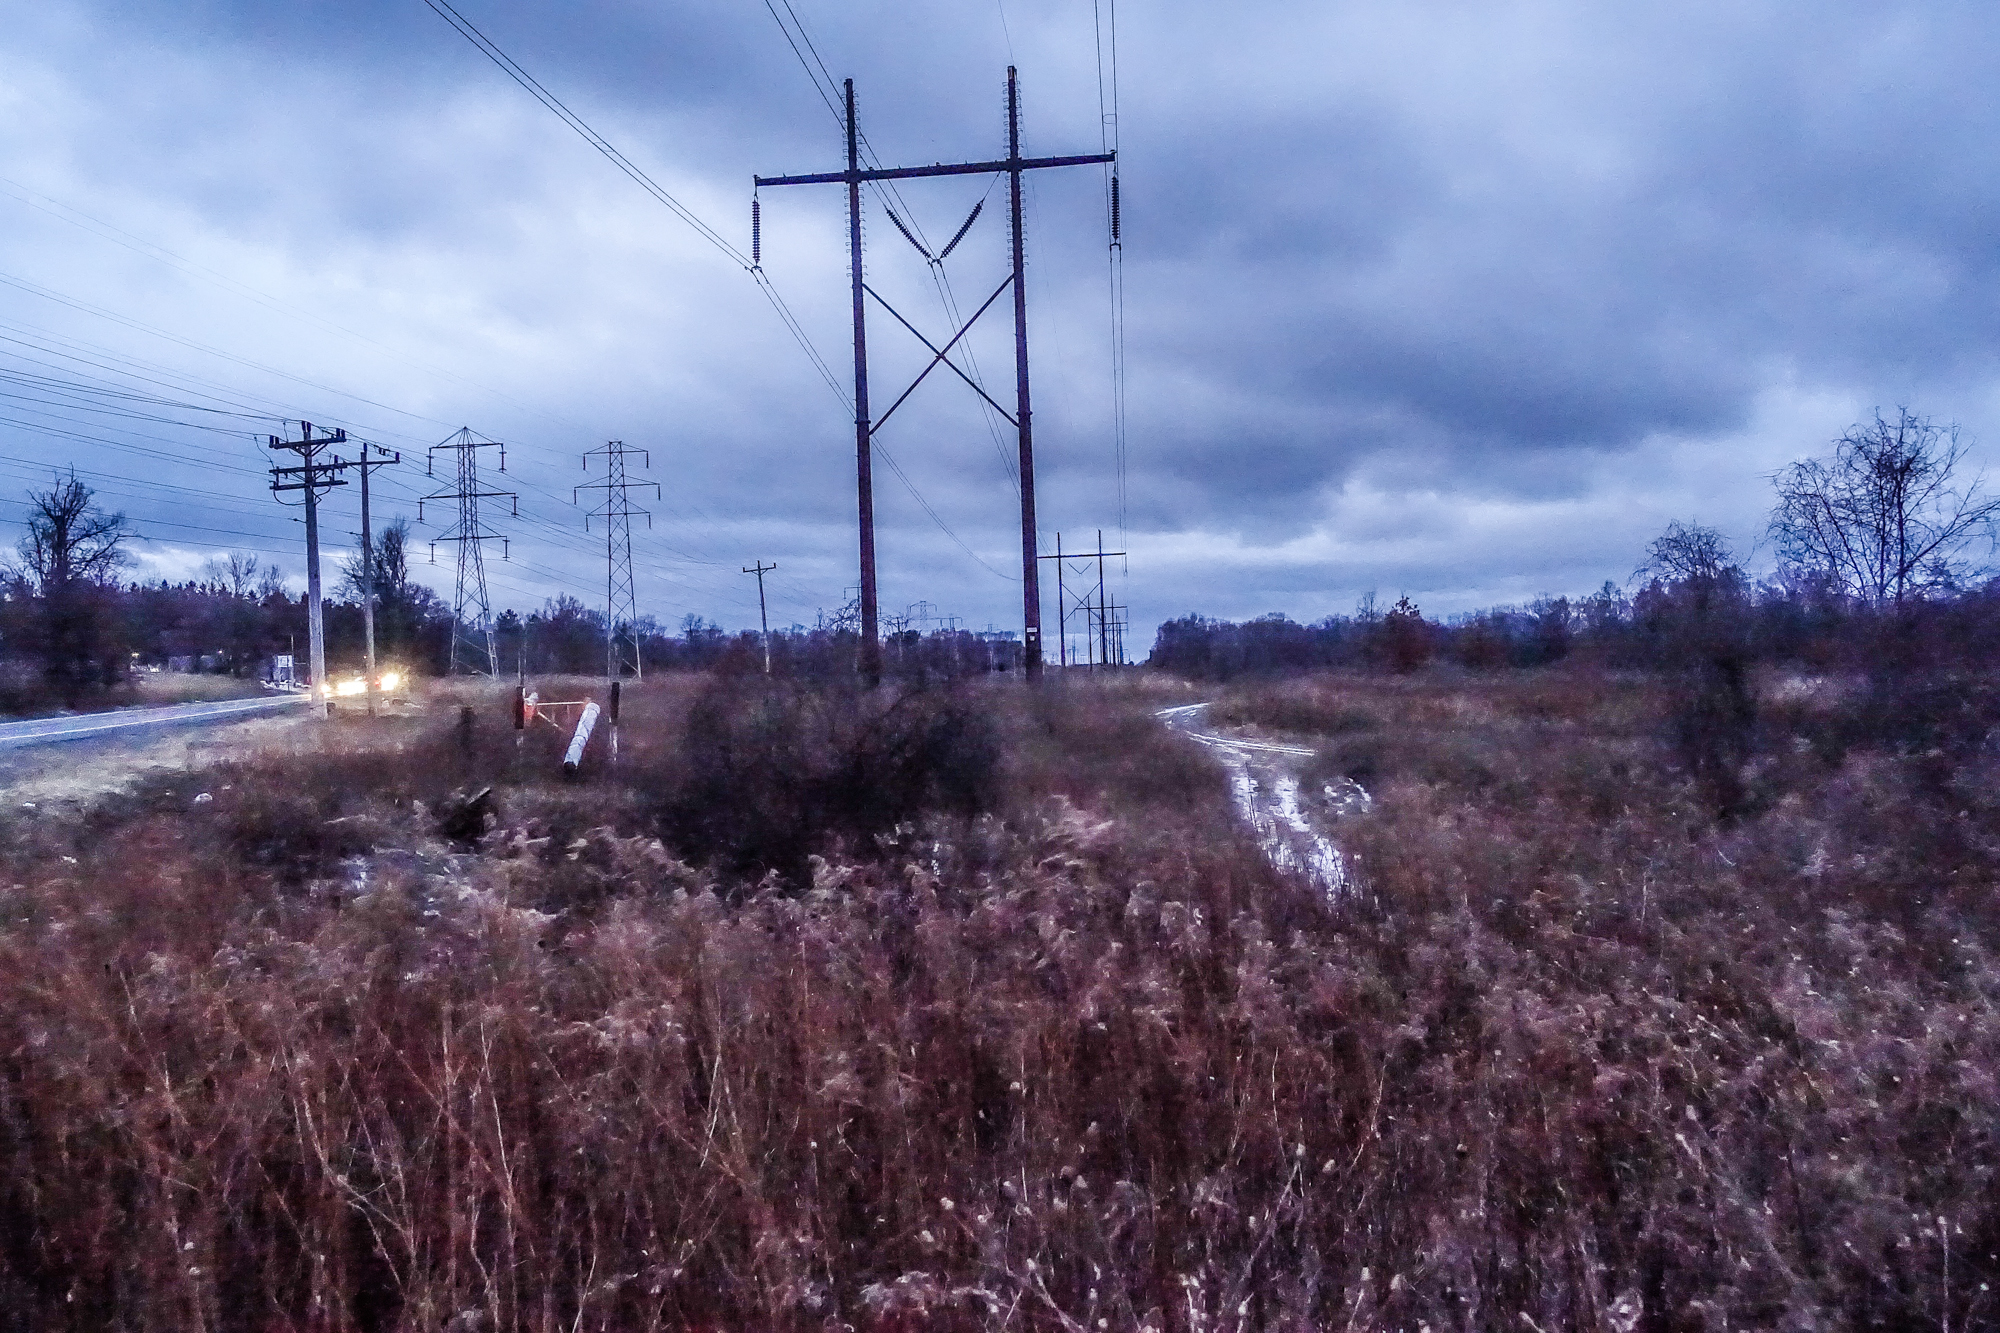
(938, 169)
(317, 481)
(940, 354)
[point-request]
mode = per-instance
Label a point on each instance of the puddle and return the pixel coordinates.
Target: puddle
(1264, 784)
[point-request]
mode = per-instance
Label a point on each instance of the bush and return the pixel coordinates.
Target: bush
(773, 771)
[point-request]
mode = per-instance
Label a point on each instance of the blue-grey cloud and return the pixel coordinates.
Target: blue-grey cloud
(1441, 297)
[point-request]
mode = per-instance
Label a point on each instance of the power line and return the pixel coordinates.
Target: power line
(86, 307)
(486, 46)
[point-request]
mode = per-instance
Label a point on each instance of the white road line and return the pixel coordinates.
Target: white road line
(61, 729)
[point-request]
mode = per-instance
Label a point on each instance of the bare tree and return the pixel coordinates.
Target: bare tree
(70, 553)
(70, 540)
(1882, 519)
(238, 573)
(1691, 553)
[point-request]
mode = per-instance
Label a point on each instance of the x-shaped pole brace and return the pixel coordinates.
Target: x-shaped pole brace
(940, 354)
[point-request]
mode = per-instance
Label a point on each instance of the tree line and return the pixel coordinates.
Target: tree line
(73, 631)
(1884, 553)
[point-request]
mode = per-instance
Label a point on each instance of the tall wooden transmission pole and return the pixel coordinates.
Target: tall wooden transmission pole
(1092, 602)
(311, 477)
(760, 569)
(621, 592)
(1021, 418)
(470, 636)
(365, 465)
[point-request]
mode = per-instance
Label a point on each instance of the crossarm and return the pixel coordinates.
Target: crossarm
(940, 169)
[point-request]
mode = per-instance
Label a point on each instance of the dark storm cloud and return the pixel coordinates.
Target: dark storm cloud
(1452, 297)
(1632, 247)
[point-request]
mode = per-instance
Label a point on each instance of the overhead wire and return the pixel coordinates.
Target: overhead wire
(514, 70)
(891, 199)
(116, 484)
(79, 387)
(508, 65)
(109, 362)
(96, 226)
(100, 312)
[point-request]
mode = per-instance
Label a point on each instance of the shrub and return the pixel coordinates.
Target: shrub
(774, 771)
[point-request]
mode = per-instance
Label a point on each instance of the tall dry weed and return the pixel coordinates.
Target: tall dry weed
(1570, 1054)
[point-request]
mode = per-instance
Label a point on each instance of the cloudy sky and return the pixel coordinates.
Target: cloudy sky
(1464, 301)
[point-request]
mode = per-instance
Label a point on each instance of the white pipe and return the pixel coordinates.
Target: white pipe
(581, 739)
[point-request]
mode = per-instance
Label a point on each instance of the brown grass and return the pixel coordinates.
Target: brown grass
(1571, 1056)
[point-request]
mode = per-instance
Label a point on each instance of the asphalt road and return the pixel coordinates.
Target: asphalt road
(91, 726)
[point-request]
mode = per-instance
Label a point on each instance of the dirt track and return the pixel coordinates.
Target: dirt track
(1265, 784)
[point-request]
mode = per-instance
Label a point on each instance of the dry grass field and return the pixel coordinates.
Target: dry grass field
(975, 1009)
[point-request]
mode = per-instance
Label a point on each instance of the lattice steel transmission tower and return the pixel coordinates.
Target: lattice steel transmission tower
(470, 637)
(621, 593)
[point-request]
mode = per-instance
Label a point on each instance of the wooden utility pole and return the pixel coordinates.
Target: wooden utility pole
(311, 477)
(760, 569)
(371, 681)
(864, 429)
(1093, 603)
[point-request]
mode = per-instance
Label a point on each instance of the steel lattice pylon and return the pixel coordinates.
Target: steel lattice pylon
(470, 634)
(621, 593)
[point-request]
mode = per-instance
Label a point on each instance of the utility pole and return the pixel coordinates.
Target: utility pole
(1013, 165)
(760, 569)
(1103, 625)
(366, 465)
(621, 593)
(312, 477)
(1092, 602)
(470, 592)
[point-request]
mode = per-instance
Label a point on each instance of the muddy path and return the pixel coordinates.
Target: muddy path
(1271, 796)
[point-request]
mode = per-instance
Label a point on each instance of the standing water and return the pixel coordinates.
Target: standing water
(1264, 784)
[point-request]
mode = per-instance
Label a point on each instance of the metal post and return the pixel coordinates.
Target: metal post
(621, 592)
(1031, 588)
(871, 646)
(470, 534)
